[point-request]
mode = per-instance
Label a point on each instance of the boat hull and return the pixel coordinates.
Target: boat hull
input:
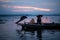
(40, 26)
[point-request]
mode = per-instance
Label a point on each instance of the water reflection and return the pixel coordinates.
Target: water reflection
(38, 34)
(32, 33)
(23, 33)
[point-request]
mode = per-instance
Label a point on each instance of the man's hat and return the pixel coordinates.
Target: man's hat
(39, 15)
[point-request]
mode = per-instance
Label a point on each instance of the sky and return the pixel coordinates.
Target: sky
(29, 7)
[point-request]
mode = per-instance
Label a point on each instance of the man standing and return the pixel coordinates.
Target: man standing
(39, 19)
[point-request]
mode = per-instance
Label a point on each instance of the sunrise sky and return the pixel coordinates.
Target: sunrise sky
(29, 7)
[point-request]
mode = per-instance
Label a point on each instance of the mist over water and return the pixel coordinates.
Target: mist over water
(8, 30)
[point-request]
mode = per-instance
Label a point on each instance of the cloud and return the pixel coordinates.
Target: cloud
(27, 8)
(5, 0)
(16, 7)
(22, 10)
(6, 6)
(12, 1)
(42, 9)
(50, 3)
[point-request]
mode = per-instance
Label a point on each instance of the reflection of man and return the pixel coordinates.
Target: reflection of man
(39, 19)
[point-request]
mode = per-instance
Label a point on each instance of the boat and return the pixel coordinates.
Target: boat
(41, 26)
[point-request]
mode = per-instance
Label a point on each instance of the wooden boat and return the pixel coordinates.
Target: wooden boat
(41, 26)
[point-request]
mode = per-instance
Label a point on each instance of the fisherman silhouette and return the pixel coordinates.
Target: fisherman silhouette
(39, 19)
(22, 18)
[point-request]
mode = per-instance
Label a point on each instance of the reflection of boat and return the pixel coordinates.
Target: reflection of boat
(41, 26)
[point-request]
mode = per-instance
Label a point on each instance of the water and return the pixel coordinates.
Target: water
(8, 31)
